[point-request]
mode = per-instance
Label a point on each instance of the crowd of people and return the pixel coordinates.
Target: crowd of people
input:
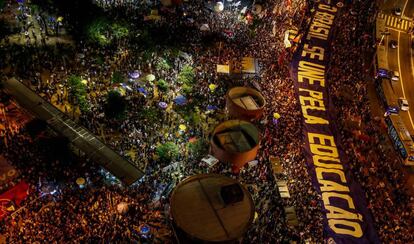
(375, 166)
(74, 214)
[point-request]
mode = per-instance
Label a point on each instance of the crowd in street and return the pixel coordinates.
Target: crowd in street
(375, 166)
(90, 214)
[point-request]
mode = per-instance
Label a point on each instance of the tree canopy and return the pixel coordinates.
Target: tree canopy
(77, 91)
(35, 126)
(162, 85)
(167, 152)
(115, 107)
(103, 32)
(117, 77)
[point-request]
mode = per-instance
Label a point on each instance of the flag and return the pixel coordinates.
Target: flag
(11, 199)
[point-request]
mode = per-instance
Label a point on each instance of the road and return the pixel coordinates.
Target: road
(400, 59)
(407, 7)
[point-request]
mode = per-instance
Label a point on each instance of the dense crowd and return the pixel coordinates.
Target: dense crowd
(376, 167)
(74, 214)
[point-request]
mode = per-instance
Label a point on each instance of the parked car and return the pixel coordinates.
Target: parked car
(393, 44)
(395, 75)
(403, 103)
(397, 11)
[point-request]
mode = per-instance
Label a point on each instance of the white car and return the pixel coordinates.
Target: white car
(398, 11)
(403, 104)
(395, 75)
(393, 44)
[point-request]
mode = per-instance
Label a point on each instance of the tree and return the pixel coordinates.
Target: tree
(115, 106)
(56, 147)
(4, 98)
(4, 28)
(186, 75)
(77, 92)
(198, 148)
(119, 30)
(162, 85)
(104, 33)
(98, 32)
(150, 115)
(187, 89)
(167, 152)
(35, 127)
(117, 77)
(162, 65)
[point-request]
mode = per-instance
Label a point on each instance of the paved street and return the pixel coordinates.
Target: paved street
(399, 59)
(394, 22)
(406, 6)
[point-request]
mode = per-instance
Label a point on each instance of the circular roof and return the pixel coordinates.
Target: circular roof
(198, 210)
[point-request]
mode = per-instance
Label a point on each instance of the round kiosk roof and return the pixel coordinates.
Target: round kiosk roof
(198, 210)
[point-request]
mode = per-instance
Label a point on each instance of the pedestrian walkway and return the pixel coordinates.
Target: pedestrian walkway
(395, 22)
(79, 136)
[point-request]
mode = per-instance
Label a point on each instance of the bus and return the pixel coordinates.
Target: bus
(401, 138)
(387, 95)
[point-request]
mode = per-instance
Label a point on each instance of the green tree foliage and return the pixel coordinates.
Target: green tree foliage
(97, 31)
(187, 89)
(162, 85)
(150, 115)
(119, 30)
(115, 107)
(167, 152)
(146, 39)
(103, 32)
(117, 77)
(77, 92)
(199, 148)
(186, 75)
(190, 113)
(162, 65)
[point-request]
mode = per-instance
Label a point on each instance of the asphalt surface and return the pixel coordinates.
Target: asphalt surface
(409, 9)
(400, 59)
(407, 6)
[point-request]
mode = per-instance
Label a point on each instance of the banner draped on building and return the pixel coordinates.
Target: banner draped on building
(346, 218)
(11, 199)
